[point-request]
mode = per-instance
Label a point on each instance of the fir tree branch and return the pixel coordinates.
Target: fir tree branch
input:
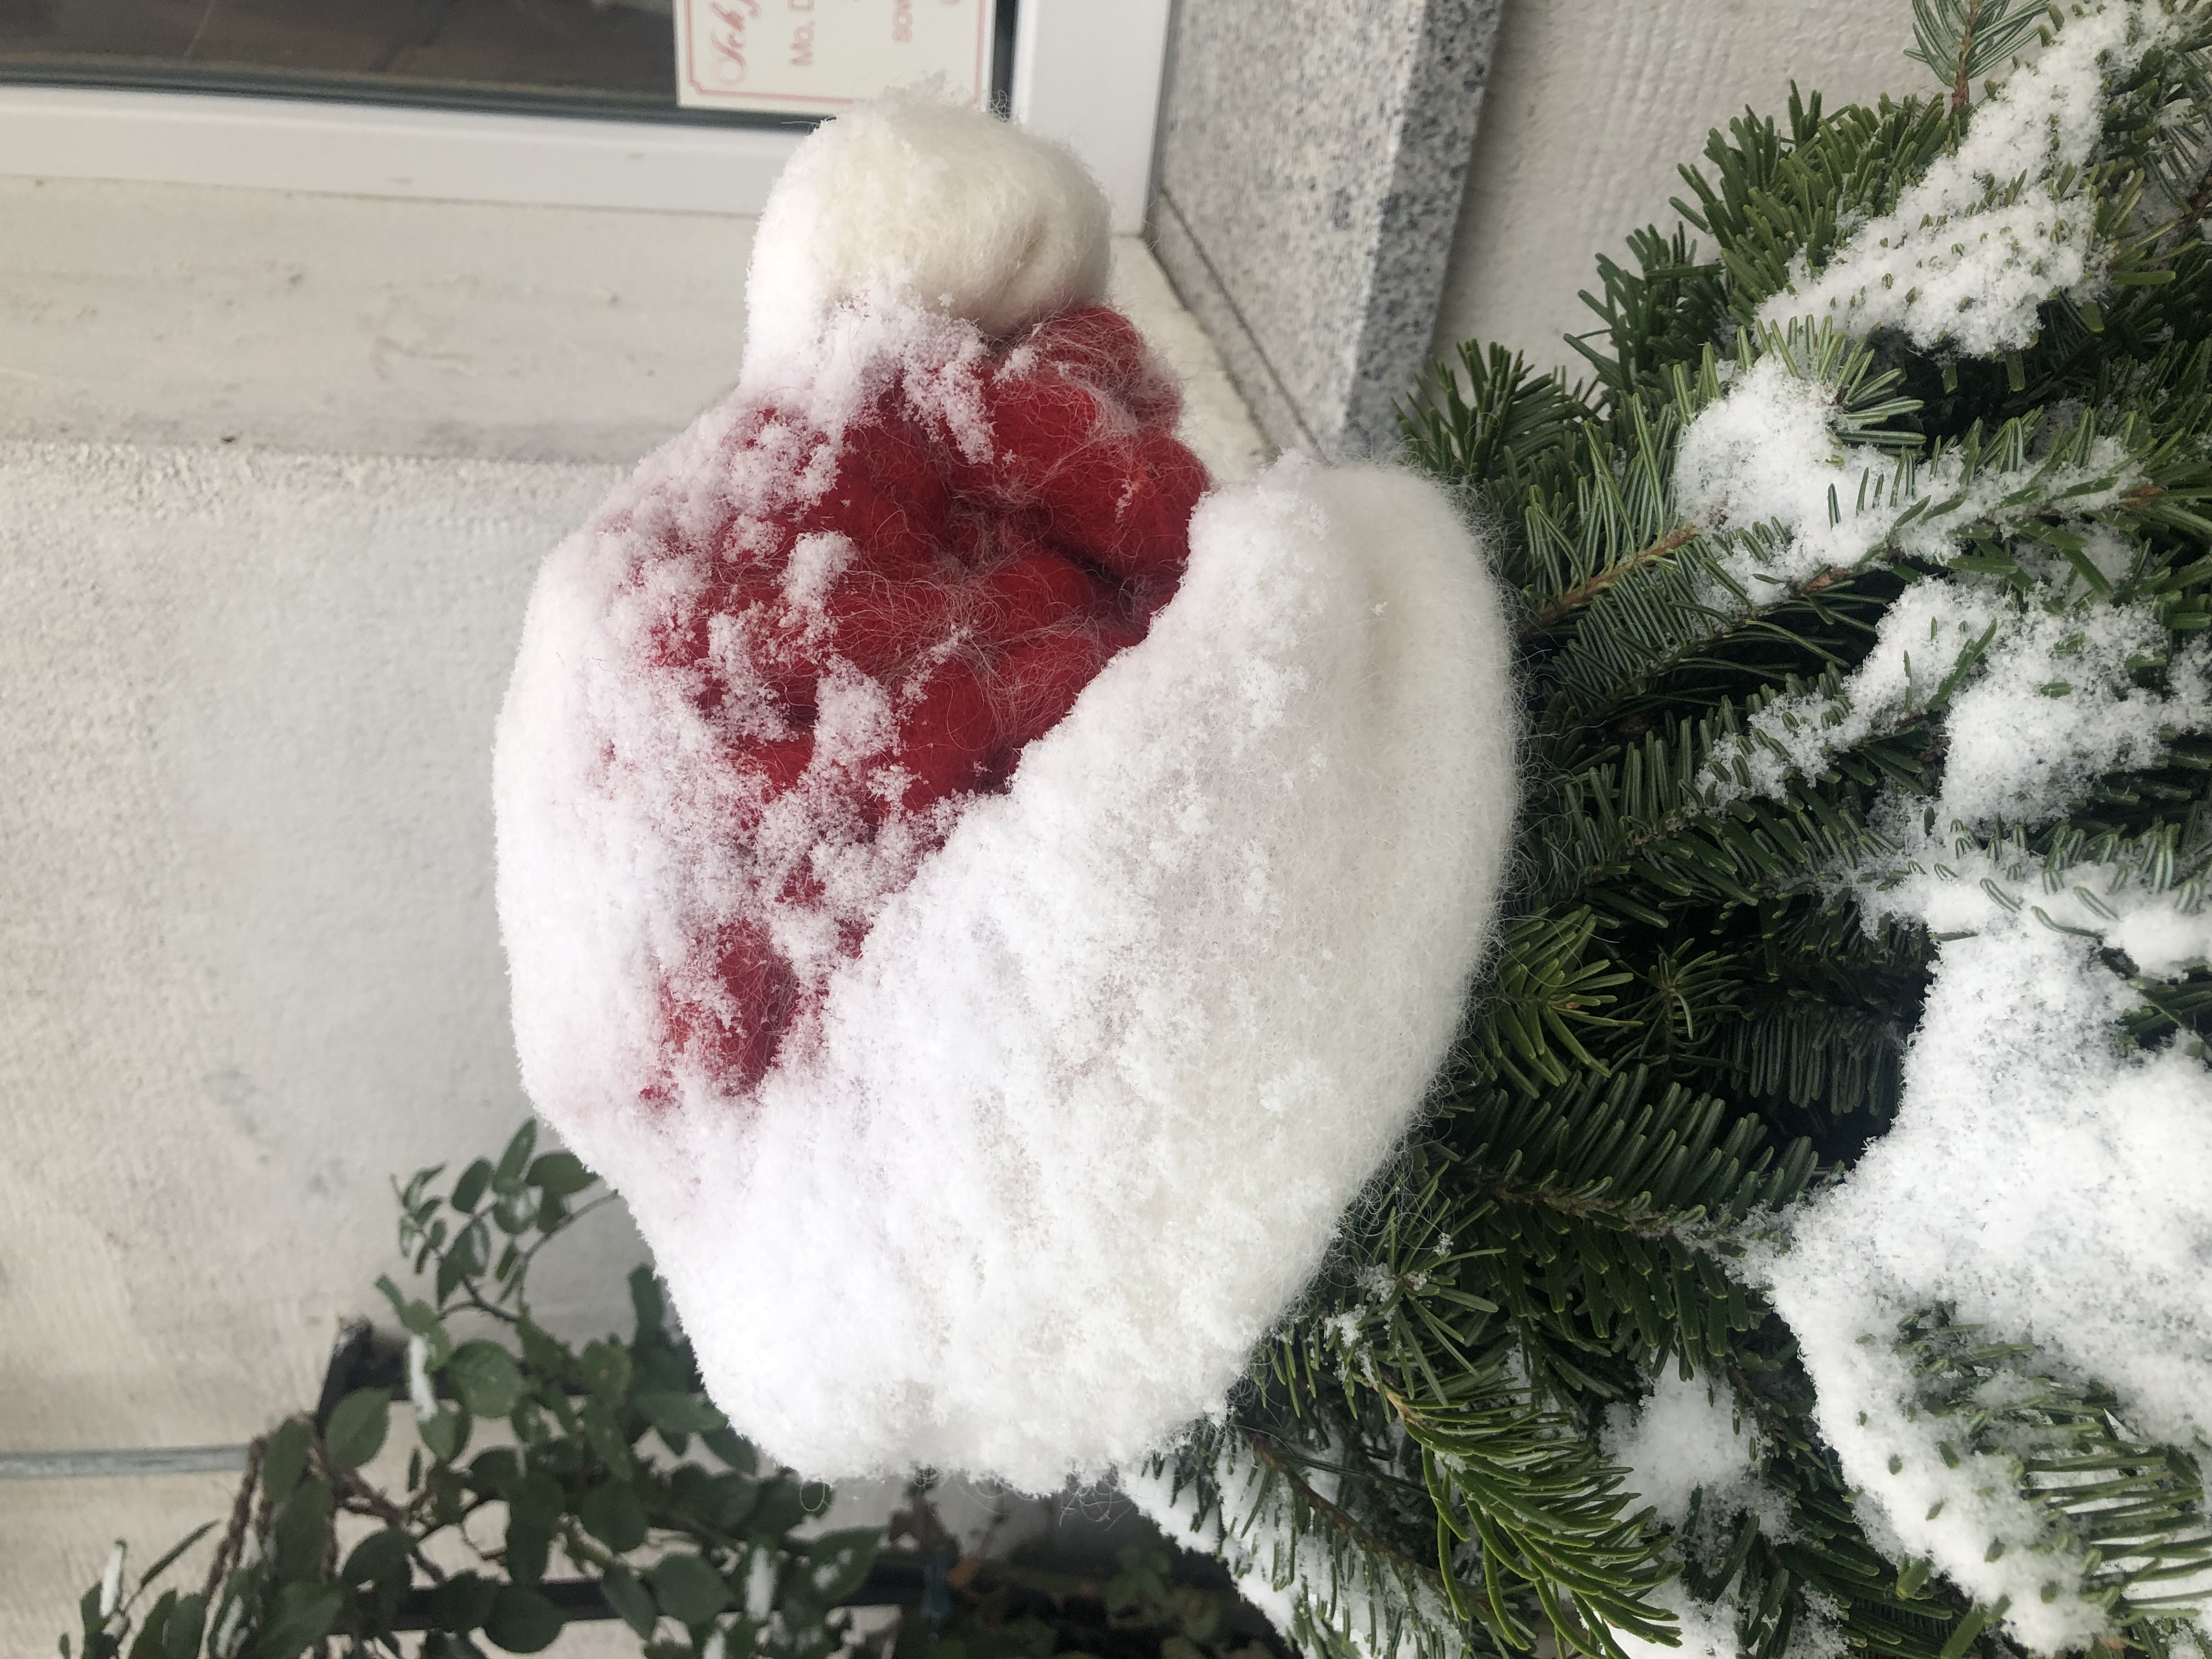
(1565, 604)
(2195, 204)
(1962, 73)
(1625, 1215)
(1268, 1452)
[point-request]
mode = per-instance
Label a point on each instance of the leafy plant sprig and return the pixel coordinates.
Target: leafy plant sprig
(584, 1454)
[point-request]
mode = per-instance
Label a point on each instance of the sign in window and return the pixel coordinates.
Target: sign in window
(815, 57)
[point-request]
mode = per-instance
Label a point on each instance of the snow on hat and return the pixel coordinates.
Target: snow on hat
(986, 917)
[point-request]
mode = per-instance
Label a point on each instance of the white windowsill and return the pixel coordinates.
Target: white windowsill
(371, 149)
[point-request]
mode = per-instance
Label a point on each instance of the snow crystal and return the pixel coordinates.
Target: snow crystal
(110, 1580)
(2053, 706)
(2035, 1163)
(2034, 1168)
(1768, 454)
(1918, 649)
(1252, 1545)
(1288, 1578)
(2040, 701)
(1818, 1631)
(1708, 1632)
(1088, 1066)
(1686, 1440)
(1993, 228)
(1686, 1435)
(420, 1394)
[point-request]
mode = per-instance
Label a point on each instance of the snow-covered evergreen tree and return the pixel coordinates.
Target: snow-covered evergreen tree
(1810, 1249)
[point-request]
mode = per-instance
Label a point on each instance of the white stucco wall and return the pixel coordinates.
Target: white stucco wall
(1591, 104)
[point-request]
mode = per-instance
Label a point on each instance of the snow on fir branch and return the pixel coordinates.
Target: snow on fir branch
(2007, 219)
(1865, 622)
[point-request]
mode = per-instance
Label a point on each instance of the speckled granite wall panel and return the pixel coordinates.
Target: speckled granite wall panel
(1313, 156)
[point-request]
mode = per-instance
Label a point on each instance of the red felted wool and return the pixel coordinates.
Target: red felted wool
(979, 587)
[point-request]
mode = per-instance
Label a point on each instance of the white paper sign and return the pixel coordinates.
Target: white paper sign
(815, 57)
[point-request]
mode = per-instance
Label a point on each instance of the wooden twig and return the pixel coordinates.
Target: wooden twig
(1565, 604)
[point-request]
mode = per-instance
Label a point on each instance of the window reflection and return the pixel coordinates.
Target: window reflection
(609, 56)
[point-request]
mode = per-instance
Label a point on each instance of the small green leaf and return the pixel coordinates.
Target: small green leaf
(181, 1639)
(485, 1377)
(522, 1620)
(302, 1529)
(776, 1512)
(837, 1562)
(380, 1555)
(303, 1614)
(629, 1599)
(561, 1174)
(515, 1209)
(496, 1473)
(678, 1414)
(689, 1591)
(170, 1557)
(470, 1188)
(357, 1427)
(645, 1300)
(529, 1543)
(728, 1498)
(445, 1434)
(472, 1248)
(151, 1632)
(517, 1155)
(614, 1515)
(606, 1437)
(450, 1273)
(284, 1458)
(733, 1448)
(539, 1497)
(541, 1352)
(606, 1369)
(462, 1603)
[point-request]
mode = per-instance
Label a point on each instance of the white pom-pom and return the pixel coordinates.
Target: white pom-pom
(910, 199)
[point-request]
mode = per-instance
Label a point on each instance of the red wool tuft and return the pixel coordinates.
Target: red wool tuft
(980, 588)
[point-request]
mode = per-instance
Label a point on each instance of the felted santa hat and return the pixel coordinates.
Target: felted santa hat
(986, 917)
